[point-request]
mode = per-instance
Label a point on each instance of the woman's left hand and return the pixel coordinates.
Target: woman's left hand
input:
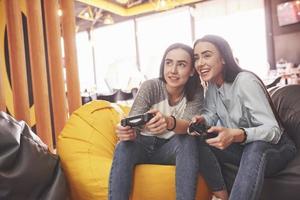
(226, 136)
(158, 124)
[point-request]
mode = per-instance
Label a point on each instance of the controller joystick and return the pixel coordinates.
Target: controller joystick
(201, 129)
(137, 120)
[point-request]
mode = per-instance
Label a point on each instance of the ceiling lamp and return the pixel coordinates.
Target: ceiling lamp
(59, 12)
(86, 13)
(107, 19)
(165, 4)
(122, 1)
(162, 4)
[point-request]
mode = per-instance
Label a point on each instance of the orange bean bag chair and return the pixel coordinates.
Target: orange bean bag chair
(86, 147)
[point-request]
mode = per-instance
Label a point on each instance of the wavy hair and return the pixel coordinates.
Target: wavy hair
(231, 67)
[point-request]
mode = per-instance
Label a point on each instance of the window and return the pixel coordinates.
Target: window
(242, 24)
(115, 57)
(156, 32)
(85, 62)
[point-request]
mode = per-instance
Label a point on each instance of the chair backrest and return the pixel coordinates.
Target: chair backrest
(118, 95)
(123, 96)
(108, 97)
(274, 83)
(28, 168)
(286, 100)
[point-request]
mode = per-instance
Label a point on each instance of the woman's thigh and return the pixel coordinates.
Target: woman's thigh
(130, 152)
(169, 151)
(231, 154)
(274, 156)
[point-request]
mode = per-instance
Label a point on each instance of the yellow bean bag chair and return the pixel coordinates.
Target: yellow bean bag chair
(86, 146)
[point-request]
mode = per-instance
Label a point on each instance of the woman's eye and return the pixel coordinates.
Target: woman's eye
(168, 62)
(206, 55)
(181, 65)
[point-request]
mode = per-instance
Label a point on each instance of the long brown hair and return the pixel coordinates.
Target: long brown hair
(231, 68)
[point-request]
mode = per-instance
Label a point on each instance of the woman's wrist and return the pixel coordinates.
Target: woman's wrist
(244, 134)
(171, 123)
(240, 136)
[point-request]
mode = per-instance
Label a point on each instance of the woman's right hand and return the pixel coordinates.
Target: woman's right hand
(196, 119)
(125, 133)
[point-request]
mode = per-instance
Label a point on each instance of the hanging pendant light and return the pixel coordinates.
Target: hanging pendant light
(165, 4)
(122, 1)
(107, 19)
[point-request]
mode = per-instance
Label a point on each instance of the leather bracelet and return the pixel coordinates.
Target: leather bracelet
(245, 134)
(174, 125)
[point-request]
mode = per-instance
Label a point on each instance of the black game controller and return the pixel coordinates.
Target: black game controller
(201, 129)
(137, 120)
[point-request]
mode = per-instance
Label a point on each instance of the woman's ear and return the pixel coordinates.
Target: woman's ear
(223, 62)
(192, 73)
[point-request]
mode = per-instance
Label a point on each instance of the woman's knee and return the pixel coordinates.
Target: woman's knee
(125, 149)
(190, 143)
(257, 147)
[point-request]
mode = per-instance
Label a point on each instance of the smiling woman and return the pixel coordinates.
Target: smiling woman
(250, 134)
(209, 63)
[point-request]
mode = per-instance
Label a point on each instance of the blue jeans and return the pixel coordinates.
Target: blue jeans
(209, 166)
(255, 160)
(180, 150)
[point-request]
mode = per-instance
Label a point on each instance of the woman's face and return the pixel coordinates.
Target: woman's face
(177, 68)
(209, 62)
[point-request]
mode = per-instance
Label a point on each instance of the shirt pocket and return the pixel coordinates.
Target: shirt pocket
(244, 120)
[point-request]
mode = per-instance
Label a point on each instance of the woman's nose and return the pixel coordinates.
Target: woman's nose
(199, 62)
(198, 65)
(174, 68)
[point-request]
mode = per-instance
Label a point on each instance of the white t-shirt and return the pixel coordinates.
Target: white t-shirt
(153, 95)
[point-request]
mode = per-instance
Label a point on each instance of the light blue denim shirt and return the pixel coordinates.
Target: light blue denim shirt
(242, 104)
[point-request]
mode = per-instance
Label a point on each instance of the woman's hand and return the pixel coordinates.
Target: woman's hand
(125, 133)
(226, 136)
(196, 119)
(158, 124)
